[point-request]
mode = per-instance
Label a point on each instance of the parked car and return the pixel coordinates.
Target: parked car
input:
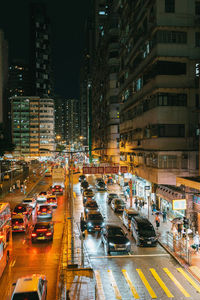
(30, 201)
(22, 209)
(42, 231)
(127, 215)
(57, 190)
(44, 212)
(94, 221)
(82, 178)
(117, 205)
(32, 287)
(52, 201)
(114, 239)
(19, 223)
(90, 205)
(111, 196)
(143, 231)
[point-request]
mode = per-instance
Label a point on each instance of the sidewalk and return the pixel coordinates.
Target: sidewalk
(194, 267)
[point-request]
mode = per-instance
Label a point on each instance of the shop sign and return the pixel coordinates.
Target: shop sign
(196, 199)
(111, 170)
(147, 187)
(179, 204)
(124, 169)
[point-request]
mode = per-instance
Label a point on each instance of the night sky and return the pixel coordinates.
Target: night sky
(67, 23)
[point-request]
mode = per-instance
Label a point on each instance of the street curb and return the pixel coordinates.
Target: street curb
(185, 266)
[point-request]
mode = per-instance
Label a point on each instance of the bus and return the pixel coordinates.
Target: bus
(5, 235)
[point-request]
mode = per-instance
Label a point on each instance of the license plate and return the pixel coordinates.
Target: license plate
(15, 227)
(41, 238)
(120, 249)
(149, 243)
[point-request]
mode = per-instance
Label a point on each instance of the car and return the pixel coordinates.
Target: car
(82, 178)
(127, 215)
(111, 196)
(42, 197)
(88, 198)
(84, 185)
(114, 239)
(42, 231)
(88, 193)
(30, 201)
(90, 205)
(44, 212)
(57, 189)
(94, 221)
(98, 180)
(19, 223)
(101, 186)
(33, 287)
(117, 205)
(22, 209)
(52, 201)
(143, 232)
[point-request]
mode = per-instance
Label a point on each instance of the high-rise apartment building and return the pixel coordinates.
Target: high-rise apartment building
(59, 105)
(40, 51)
(72, 122)
(33, 126)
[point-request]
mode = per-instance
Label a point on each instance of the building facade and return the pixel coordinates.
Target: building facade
(72, 123)
(33, 126)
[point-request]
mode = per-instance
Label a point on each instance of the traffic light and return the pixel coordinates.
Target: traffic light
(186, 222)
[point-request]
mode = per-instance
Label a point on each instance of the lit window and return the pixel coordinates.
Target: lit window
(102, 13)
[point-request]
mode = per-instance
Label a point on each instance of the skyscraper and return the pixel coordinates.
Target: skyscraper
(40, 51)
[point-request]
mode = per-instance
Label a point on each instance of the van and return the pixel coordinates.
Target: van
(143, 232)
(128, 214)
(32, 287)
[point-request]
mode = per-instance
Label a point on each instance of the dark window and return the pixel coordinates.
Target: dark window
(170, 6)
(175, 37)
(197, 39)
(171, 130)
(197, 8)
(170, 68)
(197, 100)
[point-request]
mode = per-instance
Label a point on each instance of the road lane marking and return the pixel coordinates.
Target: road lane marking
(99, 285)
(177, 283)
(13, 263)
(114, 285)
(161, 283)
(130, 255)
(191, 281)
(146, 283)
(131, 286)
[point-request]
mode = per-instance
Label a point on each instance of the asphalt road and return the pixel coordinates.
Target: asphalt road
(146, 273)
(31, 258)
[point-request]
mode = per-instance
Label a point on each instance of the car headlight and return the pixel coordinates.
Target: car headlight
(86, 210)
(89, 224)
(128, 243)
(103, 224)
(111, 244)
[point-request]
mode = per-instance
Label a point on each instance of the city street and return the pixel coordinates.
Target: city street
(28, 258)
(146, 273)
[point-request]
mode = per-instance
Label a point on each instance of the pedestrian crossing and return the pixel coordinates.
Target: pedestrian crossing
(126, 284)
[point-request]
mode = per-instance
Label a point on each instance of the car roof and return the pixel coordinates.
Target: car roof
(142, 220)
(28, 198)
(43, 223)
(113, 226)
(28, 283)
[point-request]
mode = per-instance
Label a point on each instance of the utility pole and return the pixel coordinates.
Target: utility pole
(71, 207)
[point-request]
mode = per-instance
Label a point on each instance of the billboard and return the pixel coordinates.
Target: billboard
(179, 204)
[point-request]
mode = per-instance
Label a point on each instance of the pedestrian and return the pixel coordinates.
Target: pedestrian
(82, 225)
(11, 189)
(140, 204)
(143, 203)
(196, 241)
(153, 207)
(180, 227)
(157, 220)
(136, 202)
(164, 214)
(22, 188)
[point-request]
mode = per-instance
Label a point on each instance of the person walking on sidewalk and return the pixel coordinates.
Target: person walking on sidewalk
(136, 202)
(196, 241)
(164, 214)
(157, 220)
(153, 207)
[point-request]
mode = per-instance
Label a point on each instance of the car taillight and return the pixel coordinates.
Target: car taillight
(39, 212)
(14, 213)
(19, 207)
(60, 190)
(53, 190)
(49, 212)
(33, 234)
(48, 233)
(16, 222)
(44, 209)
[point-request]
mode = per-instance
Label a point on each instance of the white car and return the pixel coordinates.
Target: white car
(42, 197)
(30, 201)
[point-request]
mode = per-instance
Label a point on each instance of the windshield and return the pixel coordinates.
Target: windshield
(91, 204)
(119, 202)
(26, 296)
(42, 193)
(20, 209)
(44, 207)
(42, 226)
(95, 217)
(20, 221)
(27, 201)
(115, 232)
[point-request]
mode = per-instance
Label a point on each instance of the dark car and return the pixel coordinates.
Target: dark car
(42, 231)
(82, 178)
(90, 205)
(101, 186)
(22, 209)
(114, 239)
(117, 205)
(87, 193)
(143, 232)
(111, 196)
(84, 184)
(94, 221)
(57, 190)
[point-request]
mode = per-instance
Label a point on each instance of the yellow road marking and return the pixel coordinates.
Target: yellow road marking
(114, 285)
(191, 281)
(161, 283)
(177, 283)
(147, 285)
(99, 285)
(131, 286)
